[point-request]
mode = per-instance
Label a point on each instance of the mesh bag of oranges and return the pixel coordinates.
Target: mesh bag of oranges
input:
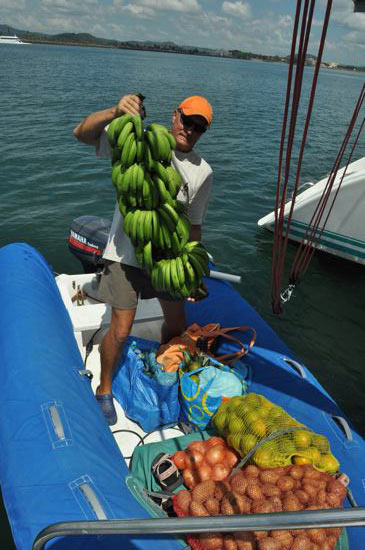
(269, 437)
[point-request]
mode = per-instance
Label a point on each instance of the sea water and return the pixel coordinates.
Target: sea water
(48, 178)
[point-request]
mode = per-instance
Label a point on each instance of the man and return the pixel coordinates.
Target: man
(123, 281)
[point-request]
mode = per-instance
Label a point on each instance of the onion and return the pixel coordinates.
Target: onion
(230, 458)
(204, 472)
(220, 472)
(213, 441)
(190, 479)
(215, 455)
(179, 459)
(197, 446)
(193, 459)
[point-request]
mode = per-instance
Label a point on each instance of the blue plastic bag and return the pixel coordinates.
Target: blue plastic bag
(146, 395)
(199, 402)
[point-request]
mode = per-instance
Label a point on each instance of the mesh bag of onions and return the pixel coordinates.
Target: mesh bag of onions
(248, 421)
(255, 490)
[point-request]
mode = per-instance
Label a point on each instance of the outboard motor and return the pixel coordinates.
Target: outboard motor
(87, 241)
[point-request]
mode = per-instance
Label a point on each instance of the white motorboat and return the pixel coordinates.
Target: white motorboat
(344, 233)
(8, 39)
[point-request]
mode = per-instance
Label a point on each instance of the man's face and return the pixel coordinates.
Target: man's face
(187, 134)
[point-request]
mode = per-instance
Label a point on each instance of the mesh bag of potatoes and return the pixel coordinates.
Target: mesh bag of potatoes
(264, 490)
(268, 436)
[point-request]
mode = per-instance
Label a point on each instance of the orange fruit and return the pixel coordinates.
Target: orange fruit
(329, 464)
(247, 442)
(300, 460)
(321, 442)
(314, 454)
(302, 439)
(259, 428)
(235, 425)
(219, 421)
(262, 458)
(234, 441)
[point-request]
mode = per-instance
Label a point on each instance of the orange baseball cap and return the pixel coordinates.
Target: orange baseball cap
(197, 105)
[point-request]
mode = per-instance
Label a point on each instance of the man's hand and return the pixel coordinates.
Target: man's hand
(131, 104)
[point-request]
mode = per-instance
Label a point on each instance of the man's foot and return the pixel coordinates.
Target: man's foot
(105, 401)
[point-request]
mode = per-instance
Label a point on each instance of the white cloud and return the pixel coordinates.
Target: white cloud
(237, 9)
(138, 11)
(9, 5)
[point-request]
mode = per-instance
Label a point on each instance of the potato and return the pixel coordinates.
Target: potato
(317, 535)
(239, 483)
(197, 509)
(212, 505)
(283, 537)
(301, 542)
(252, 471)
(302, 496)
(261, 507)
(183, 499)
(204, 490)
(291, 504)
(296, 472)
(276, 504)
(229, 542)
(211, 541)
(270, 490)
(269, 476)
(268, 544)
(221, 489)
(336, 488)
(254, 491)
(285, 483)
(245, 540)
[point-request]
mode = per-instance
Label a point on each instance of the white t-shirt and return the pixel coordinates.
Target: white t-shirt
(197, 178)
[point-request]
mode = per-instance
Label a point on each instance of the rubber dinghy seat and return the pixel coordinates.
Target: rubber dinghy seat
(58, 461)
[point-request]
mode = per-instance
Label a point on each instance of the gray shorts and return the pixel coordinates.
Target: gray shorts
(121, 286)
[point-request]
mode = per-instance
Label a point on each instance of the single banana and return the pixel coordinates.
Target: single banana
(147, 227)
(166, 235)
(132, 151)
(160, 170)
(167, 275)
(164, 194)
(138, 126)
(148, 159)
(147, 256)
(134, 225)
(140, 151)
(122, 207)
(172, 140)
(140, 227)
(166, 220)
(171, 212)
(183, 231)
(146, 194)
(126, 131)
(174, 275)
(180, 270)
(153, 144)
(126, 147)
(190, 275)
(175, 244)
(111, 131)
(197, 266)
(155, 228)
(127, 223)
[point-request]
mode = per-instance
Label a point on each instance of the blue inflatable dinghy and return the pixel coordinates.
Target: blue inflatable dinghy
(59, 461)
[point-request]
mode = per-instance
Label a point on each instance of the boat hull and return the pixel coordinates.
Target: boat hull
(344, 232)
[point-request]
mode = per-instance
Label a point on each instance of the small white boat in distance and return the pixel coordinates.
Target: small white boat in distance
(11, 40)
(344, 233)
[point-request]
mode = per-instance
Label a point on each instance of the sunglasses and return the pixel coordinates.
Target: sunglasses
(189, 123)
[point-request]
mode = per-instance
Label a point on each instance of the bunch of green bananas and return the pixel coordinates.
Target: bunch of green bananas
(155, 221)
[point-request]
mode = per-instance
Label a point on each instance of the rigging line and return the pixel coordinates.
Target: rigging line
(309, 115)
(301, 259)
(296, 100)
(278, 228)
(283, 134)
(278, 268)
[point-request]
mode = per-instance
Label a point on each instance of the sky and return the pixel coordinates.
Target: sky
(260, 26)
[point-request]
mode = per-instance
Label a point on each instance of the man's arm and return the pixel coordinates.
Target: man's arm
(90, 129)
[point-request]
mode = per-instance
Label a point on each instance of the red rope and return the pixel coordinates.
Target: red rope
(281, 240)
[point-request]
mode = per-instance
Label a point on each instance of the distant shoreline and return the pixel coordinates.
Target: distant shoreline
(93, 42)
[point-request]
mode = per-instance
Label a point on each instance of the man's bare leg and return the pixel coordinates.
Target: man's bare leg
(174, 319)
(111, 349)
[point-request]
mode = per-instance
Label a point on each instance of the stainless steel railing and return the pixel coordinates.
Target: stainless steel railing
(343, 517)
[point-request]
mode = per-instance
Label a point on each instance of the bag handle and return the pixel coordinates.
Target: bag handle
(230, 358)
